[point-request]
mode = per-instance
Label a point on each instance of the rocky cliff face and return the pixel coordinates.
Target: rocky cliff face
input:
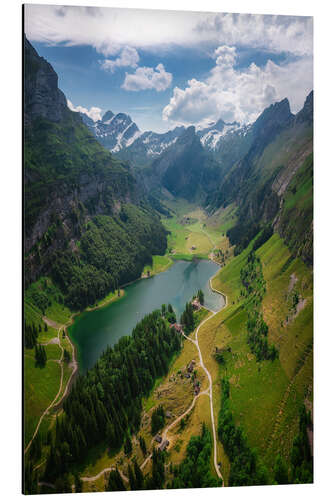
(42, 97)
(261, 180)
(114, 132)
(148, 146)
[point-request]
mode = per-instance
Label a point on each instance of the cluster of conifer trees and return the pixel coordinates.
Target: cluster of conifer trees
(106, 401)
(112, 251)
(30, 335)
(157, 419)
(136, 479)
(40, 355)
(257, 330)
(168, 313)
(187, 318)
(244, 467)
(301, 457)
(194, 471)
(200, 296)
(254, 289)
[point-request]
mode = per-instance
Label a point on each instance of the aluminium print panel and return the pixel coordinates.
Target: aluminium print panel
(168, 249)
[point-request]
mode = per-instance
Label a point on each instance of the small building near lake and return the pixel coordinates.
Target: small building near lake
(177, 327)
(196, 304)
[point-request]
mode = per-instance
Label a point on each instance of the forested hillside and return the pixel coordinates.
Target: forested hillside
(78, 198)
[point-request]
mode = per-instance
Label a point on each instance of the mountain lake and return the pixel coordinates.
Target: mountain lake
(93, 331)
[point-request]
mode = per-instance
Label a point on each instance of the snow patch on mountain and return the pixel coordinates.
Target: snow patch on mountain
(212, 136)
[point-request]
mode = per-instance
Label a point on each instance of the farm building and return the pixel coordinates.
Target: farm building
(196, 304)
(190, 366)
(177, 327)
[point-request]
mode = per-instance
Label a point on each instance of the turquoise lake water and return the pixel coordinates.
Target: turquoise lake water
(93, 331)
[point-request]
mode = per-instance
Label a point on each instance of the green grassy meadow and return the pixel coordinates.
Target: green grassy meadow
(41, 387)
(265, 396)
(160, 264)
(194, 233)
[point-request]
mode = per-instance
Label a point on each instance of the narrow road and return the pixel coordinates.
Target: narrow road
(217, 469)
(107, 469)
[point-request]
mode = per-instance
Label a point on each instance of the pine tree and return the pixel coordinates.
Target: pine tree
(138, 476)
(200, 295)
(143, 445)
(78, 483)
(128, 445)
(280, 471)
(131, 478)
(115, 482)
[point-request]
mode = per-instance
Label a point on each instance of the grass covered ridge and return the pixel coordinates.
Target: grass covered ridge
(268, 412)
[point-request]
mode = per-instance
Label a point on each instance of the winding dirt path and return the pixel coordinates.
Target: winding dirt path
(210, 393)
(54, 403)
(107, 469)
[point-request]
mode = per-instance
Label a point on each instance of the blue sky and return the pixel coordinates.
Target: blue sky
(166, 68)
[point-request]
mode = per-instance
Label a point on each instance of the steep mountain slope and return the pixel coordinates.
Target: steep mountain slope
(121, 136)
(259, 182)
(185, 169)
(148, 146)
(228, 142)
(114, 132)
(76, 194)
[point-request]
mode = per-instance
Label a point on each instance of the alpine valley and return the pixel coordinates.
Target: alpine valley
(203, 235)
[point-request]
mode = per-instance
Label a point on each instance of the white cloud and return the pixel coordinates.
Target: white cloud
(128, 58)
(270, 32)
(148, 78)
(239, 94)
(94, 113)
(110, 29)
(226, 56)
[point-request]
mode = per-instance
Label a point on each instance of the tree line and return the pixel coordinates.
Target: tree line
(40, 355)
(245, 469)
(254, 288)
(30, 335)
(194, 470)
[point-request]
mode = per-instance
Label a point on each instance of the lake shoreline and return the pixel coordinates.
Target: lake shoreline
(92, 333)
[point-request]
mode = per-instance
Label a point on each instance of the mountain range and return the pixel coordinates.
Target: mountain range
(121, 136)
(253, 166)
(264, 168)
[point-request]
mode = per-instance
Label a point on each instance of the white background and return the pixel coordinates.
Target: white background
(10, 231)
